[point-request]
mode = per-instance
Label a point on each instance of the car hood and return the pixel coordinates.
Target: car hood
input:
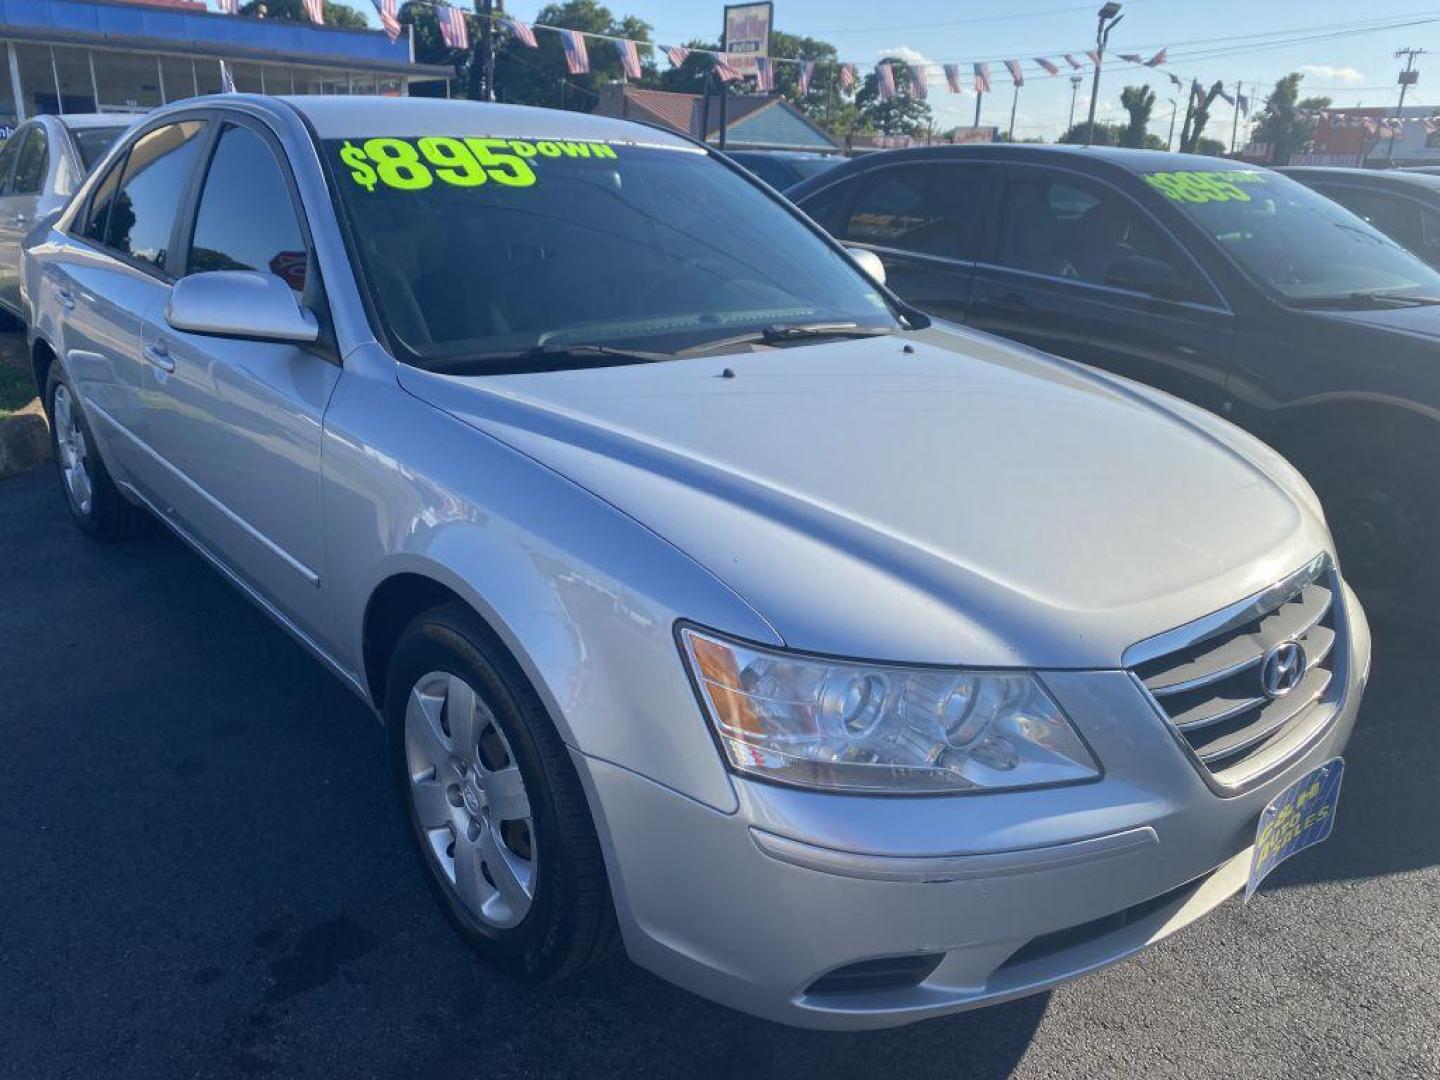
(961, 501)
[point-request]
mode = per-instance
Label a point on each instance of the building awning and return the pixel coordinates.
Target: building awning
(101, 23)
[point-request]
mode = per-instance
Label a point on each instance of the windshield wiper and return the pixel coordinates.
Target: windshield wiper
(1362, 297)
(774, 335)
(550, 357)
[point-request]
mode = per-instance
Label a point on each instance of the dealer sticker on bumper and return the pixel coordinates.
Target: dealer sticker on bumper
(1299, 817)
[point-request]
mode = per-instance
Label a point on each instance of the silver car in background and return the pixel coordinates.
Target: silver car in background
(852, 668)
(41, 165)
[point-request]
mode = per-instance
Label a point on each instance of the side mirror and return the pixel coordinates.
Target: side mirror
(869, 262)
(240, 304)
(1142, 274)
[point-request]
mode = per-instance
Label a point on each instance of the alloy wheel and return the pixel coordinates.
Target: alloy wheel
(469, 799)
(71, 451)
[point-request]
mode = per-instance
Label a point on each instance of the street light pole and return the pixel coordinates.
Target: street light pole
(1170, 139)
(1109, 16)
(1075, 81)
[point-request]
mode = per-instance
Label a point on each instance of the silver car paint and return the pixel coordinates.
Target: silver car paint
(64, 172)
(970, 503)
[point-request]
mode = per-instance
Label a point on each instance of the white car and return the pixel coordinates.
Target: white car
(41, 165)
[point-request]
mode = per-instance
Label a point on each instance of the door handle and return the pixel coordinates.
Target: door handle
(66, 298)
(19, 219)
(158, 353)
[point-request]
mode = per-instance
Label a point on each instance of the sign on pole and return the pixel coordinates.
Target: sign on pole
(747, 34)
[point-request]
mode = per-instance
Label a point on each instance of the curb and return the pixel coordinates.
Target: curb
(24, 439)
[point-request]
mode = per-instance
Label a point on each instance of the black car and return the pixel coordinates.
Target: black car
(1404, 205)
(783, 169)
(1235, 287)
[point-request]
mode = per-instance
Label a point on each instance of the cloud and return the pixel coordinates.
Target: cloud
(906, 53)
(1338, 74)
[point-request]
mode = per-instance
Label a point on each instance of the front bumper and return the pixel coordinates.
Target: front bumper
(1009, 893)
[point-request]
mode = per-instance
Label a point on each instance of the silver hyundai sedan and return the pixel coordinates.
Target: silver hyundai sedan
(851, 668)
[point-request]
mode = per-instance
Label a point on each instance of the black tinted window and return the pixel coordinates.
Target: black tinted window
(30, 169)
(8, 153)
(246, 219)
(93, 142)
(922, 208)
(1069, 227)
(156, 173)
(100, 201)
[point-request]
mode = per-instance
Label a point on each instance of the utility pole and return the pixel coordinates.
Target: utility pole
(979, 97)
(1014, 102)
(1235, 123)
(1109, 16)
(1170, 139)
(481, 80)
(1408, 78)
(1075, 81)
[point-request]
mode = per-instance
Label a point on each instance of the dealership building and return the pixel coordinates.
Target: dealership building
(70, 56)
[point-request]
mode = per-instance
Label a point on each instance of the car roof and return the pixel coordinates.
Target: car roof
(784, 155)
(98, 120)
(344, 116)
(1383, 178)
(1136, 161)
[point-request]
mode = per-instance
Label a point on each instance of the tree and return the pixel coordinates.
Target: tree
(1138, 101)
(1281, 123)
(903, 114)
(1210, 147)
(538, 76)
(340, 15)
(1105, 134)
(1198, 115)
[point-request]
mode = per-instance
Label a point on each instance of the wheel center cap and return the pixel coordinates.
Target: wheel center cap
(472, 798)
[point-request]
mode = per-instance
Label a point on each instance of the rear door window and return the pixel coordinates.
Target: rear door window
(157, 172)
(928, 209)
(31, 165)
(8, 153)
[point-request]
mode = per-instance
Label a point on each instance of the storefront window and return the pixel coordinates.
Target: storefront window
(128, 82)
(179, 74)
(77, 93)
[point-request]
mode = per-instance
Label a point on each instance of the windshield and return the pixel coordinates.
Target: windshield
(92, 142)
(1294, 241)
(479, 249)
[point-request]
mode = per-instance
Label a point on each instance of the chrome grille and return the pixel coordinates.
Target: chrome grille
(1209, 679)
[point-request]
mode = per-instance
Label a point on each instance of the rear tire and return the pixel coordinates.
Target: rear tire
(96, 504)
(493, 802)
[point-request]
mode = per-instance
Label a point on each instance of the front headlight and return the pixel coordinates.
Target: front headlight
(851, 726)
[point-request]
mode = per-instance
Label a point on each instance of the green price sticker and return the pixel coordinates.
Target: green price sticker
(418, 163)
(1204, 187)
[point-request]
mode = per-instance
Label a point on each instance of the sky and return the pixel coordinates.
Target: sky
(1250, 41)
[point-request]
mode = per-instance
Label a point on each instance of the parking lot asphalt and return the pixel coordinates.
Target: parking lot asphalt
(203, 873)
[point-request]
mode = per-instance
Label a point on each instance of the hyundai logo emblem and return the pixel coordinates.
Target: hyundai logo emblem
(1282, 669)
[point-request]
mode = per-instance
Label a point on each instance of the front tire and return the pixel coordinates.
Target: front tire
(493, 801)
(97, 506)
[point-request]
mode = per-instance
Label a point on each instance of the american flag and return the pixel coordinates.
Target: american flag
(229, 7)
(1431, 124)
(847, 76)
(885, 81)
(723, 69)
(1159, 58)
(982, 78)
(764, 75)
(678, 54)
(390, 20)
(952, 78)
(522, 33)
(807, 72)
(629, 58)
(452, 27)
(577, 58)
(315, 9)
(1073, 62)
(1244, 103)
(1132, 58)
(1228, 99)
(227, 81)
(1013, 66)
(1094, 56)
(1179, 82)
(919, 87)
(1048, 65)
